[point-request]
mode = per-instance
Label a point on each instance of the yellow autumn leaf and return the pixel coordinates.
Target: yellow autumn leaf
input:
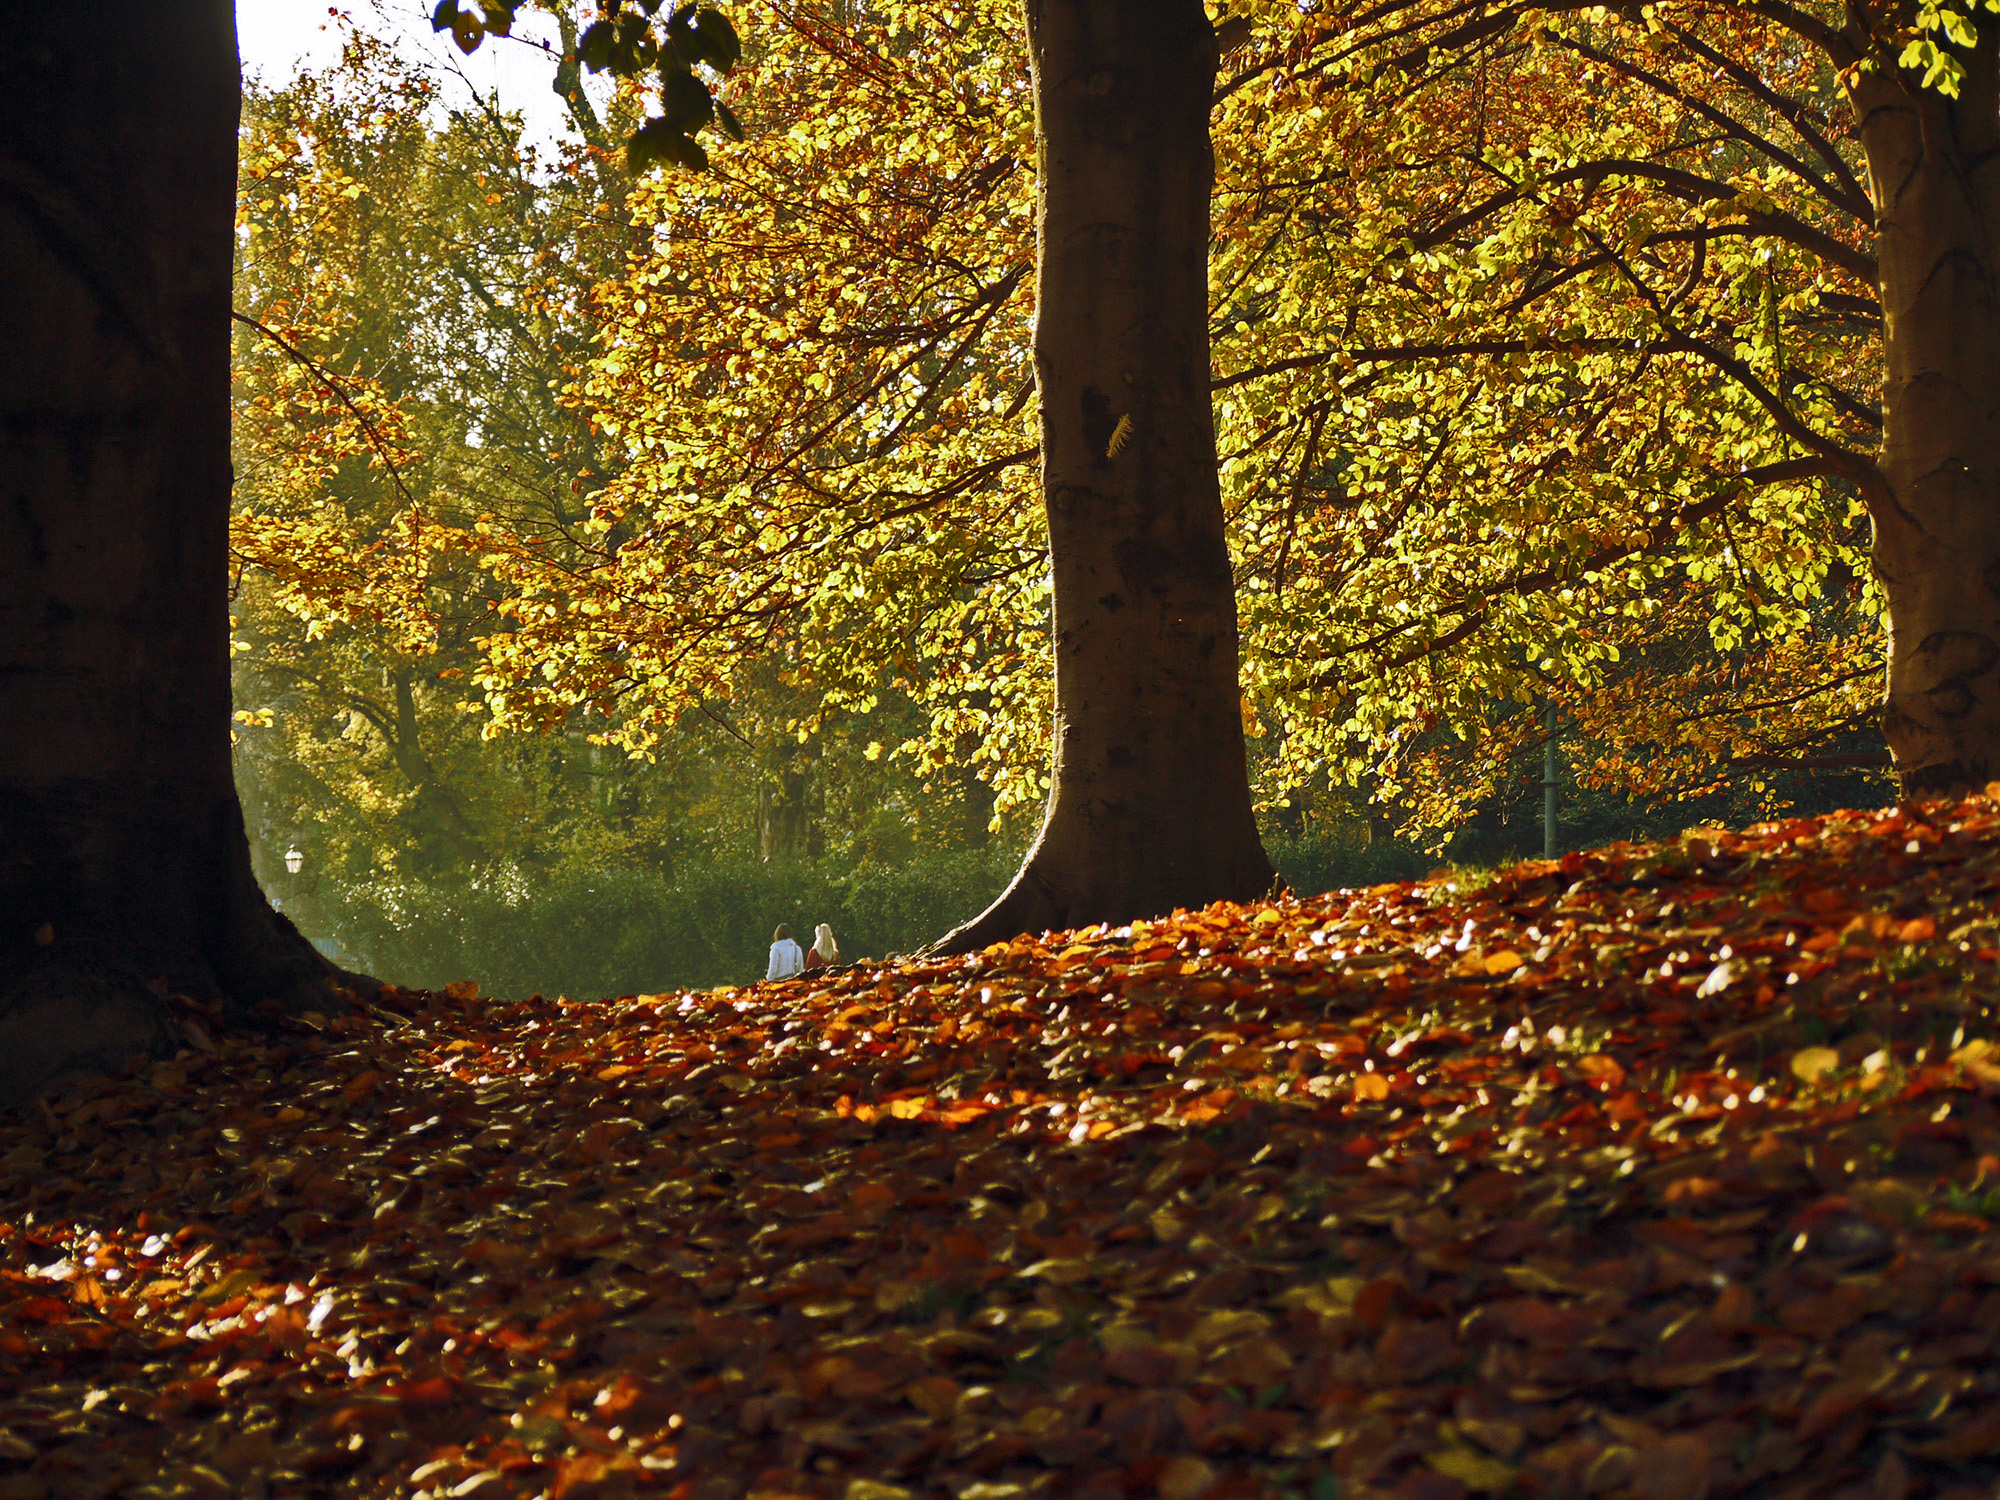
(1186, 1478)
(1810, 1064)
(1981, 1059)
(1476, 1471)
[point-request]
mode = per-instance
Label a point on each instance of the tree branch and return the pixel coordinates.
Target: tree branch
(1658, 541)
(313, 368)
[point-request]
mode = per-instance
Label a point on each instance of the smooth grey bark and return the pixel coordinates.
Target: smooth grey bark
(1149, 805)
(124, 869)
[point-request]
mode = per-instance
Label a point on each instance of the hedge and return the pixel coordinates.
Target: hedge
(628, 931)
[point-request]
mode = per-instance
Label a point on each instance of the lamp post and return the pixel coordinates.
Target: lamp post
(294, 861)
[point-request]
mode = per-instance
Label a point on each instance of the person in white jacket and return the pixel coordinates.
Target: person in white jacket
(786, 959)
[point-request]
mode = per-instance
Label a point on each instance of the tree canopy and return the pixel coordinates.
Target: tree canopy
(1517, 401)
(414, 291)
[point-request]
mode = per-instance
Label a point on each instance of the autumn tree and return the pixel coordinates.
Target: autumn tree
(1519, 403)
(1151, 803)
(1540, 458)
(411, 294)
(773, 498)
(339, 597)
(124, 866)
(1932, 148)
(1775, 212)
(1445, 511)
(406, 294)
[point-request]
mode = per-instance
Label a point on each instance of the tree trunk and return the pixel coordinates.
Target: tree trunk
(1934, 168)
(1150, 804)
(976, 798)
(785, 828)
(437, 803)
(124, 870)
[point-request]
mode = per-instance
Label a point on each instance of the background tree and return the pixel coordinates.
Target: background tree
(415, 290)
(409, 293)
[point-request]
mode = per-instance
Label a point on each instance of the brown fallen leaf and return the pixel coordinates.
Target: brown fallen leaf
(1186, 1478)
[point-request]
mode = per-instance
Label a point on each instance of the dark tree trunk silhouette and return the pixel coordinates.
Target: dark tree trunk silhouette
(1934, 171)
(124, 871)
(1149, 805)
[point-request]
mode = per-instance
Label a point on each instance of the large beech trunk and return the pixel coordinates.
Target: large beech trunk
(124, 870)
(1934, 167)
(1150, 803)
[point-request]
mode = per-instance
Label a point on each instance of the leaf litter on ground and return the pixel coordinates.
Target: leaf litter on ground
(1665, 1172)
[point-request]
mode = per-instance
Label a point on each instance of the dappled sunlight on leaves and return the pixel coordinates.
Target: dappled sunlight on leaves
(1662, 1171)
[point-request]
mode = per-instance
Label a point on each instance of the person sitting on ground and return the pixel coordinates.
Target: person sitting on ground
(786, 960)
(824, 949)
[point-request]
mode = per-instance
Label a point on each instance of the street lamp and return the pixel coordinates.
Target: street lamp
(294, 861)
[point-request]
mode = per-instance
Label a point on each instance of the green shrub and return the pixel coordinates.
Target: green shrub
(621, 931)
(1312, 866)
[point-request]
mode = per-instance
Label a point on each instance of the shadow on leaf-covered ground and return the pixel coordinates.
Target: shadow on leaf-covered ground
(1660, 1171)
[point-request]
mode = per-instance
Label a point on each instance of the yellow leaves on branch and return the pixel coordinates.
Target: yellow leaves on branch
(1467, 466)
(834, 343)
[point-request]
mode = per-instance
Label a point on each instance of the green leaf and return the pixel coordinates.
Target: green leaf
(726, 117)
(1942, 71)
(659, 141)
(685, 102)
(594, 46)
(717, 39)
(445, 17)
(631, 31)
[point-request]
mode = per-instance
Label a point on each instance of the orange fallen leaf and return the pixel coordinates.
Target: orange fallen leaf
(1604, 1071)
(1186, 1478)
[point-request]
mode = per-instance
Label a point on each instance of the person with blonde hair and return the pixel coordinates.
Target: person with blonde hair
(824, 949)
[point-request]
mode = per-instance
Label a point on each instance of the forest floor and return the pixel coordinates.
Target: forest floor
(1663, 1172)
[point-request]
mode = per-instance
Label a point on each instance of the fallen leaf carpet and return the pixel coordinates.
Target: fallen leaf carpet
(1666, 1172)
